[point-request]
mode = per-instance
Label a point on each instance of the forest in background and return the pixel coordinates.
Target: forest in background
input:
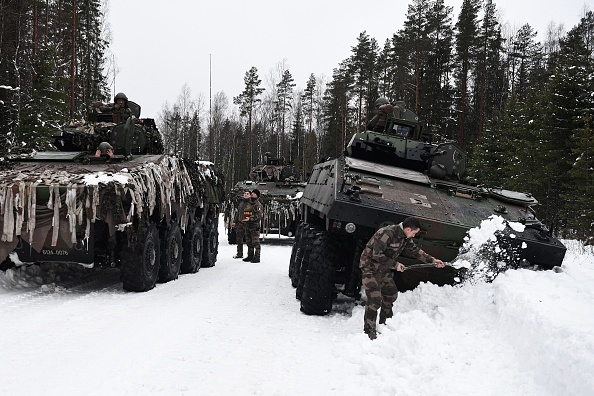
(522, 109)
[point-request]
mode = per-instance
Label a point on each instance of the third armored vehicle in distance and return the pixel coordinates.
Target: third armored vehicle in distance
(388, 173)
(280, 188)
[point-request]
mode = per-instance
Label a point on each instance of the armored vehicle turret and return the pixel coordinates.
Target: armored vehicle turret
(111, 198)
(280, 186)
(388, 173)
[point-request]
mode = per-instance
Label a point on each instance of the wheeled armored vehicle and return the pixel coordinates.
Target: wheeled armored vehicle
(280, 189)
(150, 214)
(388, 173)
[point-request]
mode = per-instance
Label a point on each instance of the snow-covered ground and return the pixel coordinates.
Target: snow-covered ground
(236, 329)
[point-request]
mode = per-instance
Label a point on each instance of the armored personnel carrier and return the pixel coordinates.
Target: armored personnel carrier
(280, 189)
(388, 173)
(110, 197)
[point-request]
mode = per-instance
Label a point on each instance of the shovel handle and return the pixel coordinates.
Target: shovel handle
(428, 265)
(413, 266)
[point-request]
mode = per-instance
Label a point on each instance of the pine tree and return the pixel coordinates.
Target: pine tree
(337, 113)
(525, 60)
(14, 56)
(91, 83)
(579, 204)
(400, 75)
(495, 159)
(247, 101)
(298, 135)
(522, 144)
(362, 68)
(194, 137)
(466, 59)
(489, 89)
(46, 108)
(284, 103)
(569, 102)
(436, 91)
(383, 70)
(309, 100)
(52, 56)
(416, 35)
(578, 51)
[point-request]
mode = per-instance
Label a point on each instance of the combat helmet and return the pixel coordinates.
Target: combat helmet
(120, 95)
(381, 101)
(104, 146)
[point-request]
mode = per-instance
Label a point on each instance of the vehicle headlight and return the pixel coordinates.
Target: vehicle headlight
(350, 228)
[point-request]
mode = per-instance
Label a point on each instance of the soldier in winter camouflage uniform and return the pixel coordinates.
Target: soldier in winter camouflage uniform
(239, 225)
(119, 108)
(378, 261)
(252, 213)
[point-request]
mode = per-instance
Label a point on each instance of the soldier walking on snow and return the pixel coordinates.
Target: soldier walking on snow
(239, 225)
(378, 261)
(252, 215)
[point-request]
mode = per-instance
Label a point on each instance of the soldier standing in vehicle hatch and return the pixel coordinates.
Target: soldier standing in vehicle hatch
(239, 225)
(119, 108)
(251, 217)
(382, 110)
(378, 261)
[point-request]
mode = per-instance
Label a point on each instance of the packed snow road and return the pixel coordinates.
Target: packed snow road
(236, 329)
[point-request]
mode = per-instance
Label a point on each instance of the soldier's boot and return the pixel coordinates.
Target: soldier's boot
(250, 254)
(370, 331)
(385, 314)
(238, 255)
(256, 258)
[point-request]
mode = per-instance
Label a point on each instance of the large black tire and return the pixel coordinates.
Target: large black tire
(6, 264)
(299, 249)
(294, 250)
(139, 265)
(302, 259)
(171, 252)
(192, 249)
(318, 289)
(210, 245)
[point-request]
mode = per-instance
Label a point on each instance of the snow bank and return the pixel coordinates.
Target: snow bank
(527, 333)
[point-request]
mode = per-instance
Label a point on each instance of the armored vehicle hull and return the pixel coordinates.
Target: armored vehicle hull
(152, 215)
(383, 179)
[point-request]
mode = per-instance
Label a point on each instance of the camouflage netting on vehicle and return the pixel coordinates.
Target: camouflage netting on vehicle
(39, 198)
(86, 136)
(281, 211)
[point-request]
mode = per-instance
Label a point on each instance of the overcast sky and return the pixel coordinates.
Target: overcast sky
(160, 46)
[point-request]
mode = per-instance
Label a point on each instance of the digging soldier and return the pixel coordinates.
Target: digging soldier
(252, 213)
(378, 261)
(238, 225)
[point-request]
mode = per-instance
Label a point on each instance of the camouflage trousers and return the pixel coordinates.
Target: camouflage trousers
(381, 291)
(252, 239)
(239, 234)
